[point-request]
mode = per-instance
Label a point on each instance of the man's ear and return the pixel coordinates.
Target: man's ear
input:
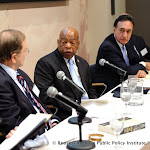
(58, 41)
(114, 29)
(78, 44)
(13, 58)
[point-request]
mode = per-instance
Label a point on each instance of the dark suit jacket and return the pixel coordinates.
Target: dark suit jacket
(137, 51)
(45, 76)
(14, 105)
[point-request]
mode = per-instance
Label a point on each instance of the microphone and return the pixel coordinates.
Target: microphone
(61, 75)
(105, 63)
(53, 93)
(79, 144)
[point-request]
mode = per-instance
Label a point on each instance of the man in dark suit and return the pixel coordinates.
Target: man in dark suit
(48, 66)
(125, 51)
(15, 102)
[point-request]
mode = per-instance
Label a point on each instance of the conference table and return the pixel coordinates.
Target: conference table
(101, 110)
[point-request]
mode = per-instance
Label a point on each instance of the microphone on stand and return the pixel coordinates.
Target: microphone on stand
(53, 93)
(79, 144)
(61, 75)
(120, 71)
(105, 63)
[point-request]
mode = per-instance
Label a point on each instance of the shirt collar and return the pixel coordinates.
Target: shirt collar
(66, 60)
(119, 44)
(12, 73)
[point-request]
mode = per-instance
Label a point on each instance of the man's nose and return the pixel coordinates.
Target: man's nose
(68, 45)
(125, 34)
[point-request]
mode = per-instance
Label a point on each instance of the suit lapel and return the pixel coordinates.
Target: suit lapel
(132, 53)
(20, 94)
(62, 64)
(117, 46)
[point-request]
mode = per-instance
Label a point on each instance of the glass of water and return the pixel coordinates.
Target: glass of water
(132, 83)
(137, 93)
(125, 94)
(117, 125)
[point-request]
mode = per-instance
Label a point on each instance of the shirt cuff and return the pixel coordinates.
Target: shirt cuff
(54, 120)
(143, 63)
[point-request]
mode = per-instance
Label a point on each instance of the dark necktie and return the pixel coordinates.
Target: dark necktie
(125, 55)
(75, 78)
(31, 98)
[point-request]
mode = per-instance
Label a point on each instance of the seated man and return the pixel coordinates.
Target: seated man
(48, 66)
(124, 50)
(17, 97)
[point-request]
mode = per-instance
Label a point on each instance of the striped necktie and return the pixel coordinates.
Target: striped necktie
(125, 55)
(32, 99)
(75, 78)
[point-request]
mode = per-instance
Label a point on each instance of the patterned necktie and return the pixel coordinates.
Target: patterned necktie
(31, 98)
(75, 78)
(125, 55)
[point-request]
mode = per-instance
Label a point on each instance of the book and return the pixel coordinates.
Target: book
(130, 125)
(25, 130)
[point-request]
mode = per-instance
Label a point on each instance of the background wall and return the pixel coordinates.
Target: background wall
(41, 22)
(100, 23)
(140, 11)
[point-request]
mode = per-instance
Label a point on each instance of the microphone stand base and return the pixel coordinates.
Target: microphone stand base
(81, 145)
(74, 120)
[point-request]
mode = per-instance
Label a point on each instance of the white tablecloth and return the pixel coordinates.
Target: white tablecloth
(101, 110)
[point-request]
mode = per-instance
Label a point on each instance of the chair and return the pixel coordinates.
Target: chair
(99, 87)
(53, 109)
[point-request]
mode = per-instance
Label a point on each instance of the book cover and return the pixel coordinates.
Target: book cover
(130, 125)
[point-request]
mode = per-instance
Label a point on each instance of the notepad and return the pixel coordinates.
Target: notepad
(25, 130)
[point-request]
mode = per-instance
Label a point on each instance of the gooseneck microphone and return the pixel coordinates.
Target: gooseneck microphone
(105, 63)
(53, 93)
(61, 75)
(79, 144)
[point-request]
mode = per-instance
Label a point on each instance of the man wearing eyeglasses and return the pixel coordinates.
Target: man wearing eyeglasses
(60, 60)
(124, 50)
(17, 95)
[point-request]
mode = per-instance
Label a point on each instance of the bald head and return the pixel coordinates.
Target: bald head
(68, 42)
(69, 31)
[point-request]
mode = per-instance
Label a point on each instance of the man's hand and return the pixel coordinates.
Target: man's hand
(54, 124)
(141, 74)
(11, 132)
(147, 66)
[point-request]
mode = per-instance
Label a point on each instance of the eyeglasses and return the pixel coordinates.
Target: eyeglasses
(27, 51)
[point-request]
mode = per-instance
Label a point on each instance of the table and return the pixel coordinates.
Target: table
(101, 110)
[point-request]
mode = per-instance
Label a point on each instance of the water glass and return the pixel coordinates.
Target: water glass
(137, 94)
(125, 94)
(117, 125)
(132, 83)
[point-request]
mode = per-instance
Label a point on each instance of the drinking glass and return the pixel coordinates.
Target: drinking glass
(137, 92)
(132, 83)
(117, 125)
(125, 94)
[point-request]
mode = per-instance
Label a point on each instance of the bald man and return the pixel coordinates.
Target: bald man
(48, 66)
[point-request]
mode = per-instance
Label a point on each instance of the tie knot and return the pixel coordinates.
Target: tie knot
(70, 61)
(20, 78)
(18, 75)
(123, 47)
